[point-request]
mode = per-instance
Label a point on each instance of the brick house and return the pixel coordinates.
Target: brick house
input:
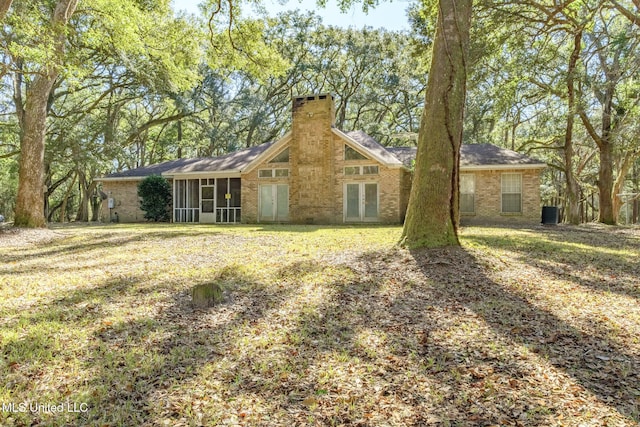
(317, 174)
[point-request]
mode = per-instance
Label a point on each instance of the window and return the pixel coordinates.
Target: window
(511, 193)
(283, 157)
(467, 193)
(369, 170)
(352, 170)
(361, 170)
(351, 154)
(270, 173)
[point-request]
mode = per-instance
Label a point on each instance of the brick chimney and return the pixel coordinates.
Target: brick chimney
(311, 158)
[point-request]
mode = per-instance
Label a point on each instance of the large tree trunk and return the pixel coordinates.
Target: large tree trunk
(433, 211)
(605, 185)
(29, 210)
(572, 200)
(5, 5)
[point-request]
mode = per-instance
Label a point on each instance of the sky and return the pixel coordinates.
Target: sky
(391, 16)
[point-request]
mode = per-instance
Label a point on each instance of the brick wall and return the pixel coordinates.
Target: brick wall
(316, 172)
(125, 196)
(488, 197)
(389, 180)
(311, 193)
(251, 189)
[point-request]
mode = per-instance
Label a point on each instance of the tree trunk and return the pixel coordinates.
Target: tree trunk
(86, 191)
(433, 211)
(572, 200)
(65, 199)
(605, 185)
(30, 199)
(29, 210)
(618, 185)
(5, 5)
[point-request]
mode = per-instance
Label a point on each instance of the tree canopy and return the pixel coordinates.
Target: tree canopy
(102, 86)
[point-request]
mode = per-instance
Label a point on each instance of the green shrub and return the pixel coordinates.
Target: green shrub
(155, 198)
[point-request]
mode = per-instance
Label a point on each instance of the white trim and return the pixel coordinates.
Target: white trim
(274, 199)
(502, 194)
(123, 178)
(268, 153)
(274, 173)
(196, 175)
(460, 193)
(361, 202)
(368, 153)
(361, 170)
(501, 167)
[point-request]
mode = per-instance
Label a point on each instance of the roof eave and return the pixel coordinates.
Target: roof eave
(229, 173)
(120, 178)
(503, 167)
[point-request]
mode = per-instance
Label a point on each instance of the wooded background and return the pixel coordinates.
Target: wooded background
(134, 83)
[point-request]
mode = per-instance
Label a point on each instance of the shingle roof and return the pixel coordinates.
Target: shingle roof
(470, 155)
(156, 169)
(371, 145)
(405, 154)
(235, 161)
(473, 155)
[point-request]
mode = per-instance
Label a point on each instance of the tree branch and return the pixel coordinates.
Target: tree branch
(6, 156)
(635, 19)
(155, 122)
(590, 129)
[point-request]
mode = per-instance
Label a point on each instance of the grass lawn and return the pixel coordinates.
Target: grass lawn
(319, 326)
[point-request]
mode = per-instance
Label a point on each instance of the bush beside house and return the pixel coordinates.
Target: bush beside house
(155, 198)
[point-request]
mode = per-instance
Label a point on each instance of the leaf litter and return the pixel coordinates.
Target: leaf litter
(321, 326)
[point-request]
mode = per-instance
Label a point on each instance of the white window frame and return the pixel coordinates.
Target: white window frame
(360, 169)
(274, 203)
(273, 173)
(361, 202)
(503, 192)
(473, 193)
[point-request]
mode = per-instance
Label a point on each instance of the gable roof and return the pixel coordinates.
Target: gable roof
(472, 156)
(477, 156)
(369, 145)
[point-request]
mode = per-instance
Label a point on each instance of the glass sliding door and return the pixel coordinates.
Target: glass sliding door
(274, 203)
(370, 202)
(361, 202)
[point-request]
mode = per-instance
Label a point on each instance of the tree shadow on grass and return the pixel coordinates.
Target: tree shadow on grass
(140, 363)
(597, 259)
(411, 339)
(66, 246)
(599, 365)
(385, 338)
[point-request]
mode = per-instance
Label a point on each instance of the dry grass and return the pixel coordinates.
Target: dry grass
(320, 326)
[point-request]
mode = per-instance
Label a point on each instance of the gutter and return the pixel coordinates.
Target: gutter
(502, 167)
